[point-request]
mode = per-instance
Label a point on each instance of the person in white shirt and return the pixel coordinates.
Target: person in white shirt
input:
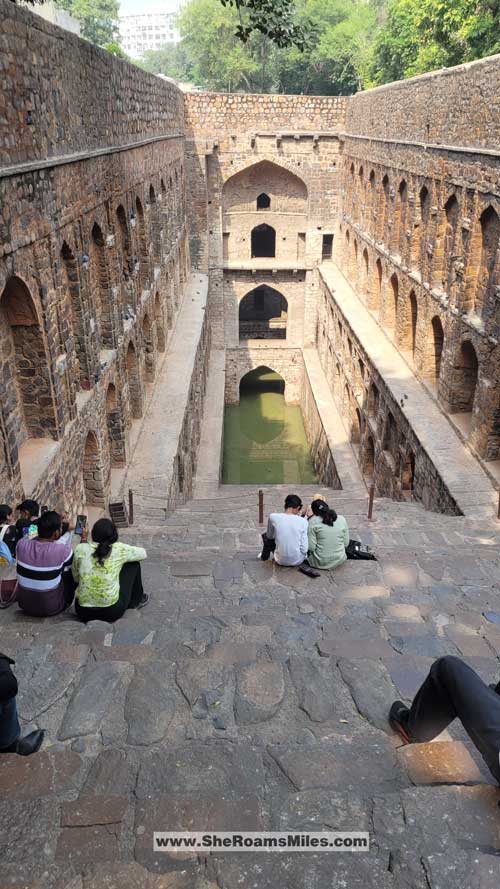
(286, 534)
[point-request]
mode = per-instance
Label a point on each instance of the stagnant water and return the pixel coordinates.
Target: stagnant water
(264, 438)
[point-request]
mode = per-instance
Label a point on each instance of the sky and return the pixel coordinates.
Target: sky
(135, 7)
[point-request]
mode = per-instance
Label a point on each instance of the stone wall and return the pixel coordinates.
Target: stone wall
(216, 114)
(67, 96)
(322, 457)
(452, 107)
(93, 258)
(388, 451)
(420, 231)
(288, 363)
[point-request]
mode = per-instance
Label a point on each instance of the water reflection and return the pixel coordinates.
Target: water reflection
(264, 438)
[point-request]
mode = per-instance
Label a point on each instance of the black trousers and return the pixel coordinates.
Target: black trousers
(131, 592)
(453, 690)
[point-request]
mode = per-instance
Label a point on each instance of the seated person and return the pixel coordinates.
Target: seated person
(44, 582)
(26, 525)
(10, 730)
(328, 536)
(7, 528)
(286, 534)
(451, 691)
(108, 575)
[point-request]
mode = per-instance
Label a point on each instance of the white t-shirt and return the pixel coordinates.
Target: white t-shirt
(290, 533)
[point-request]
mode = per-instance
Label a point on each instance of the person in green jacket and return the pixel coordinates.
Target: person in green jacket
(328, 536)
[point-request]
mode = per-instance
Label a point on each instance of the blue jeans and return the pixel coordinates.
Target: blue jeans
(10, 729)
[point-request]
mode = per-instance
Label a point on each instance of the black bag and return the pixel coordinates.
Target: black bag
(357, 550)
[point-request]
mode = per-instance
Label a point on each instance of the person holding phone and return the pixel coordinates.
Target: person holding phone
(108, 574)
(45, 585)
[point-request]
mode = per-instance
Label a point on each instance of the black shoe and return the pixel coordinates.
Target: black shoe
(398, 720)
(27, 745)
(144, 601)
(306, 569)
(495, 687)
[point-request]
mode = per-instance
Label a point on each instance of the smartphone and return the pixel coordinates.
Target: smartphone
(81, 521)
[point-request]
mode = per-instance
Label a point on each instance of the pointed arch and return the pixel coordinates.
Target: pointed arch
(93, 472)
(285, 189)
(143, 246)
(134, 383)
(463, 380)
(115, 428)
(126, 261)
(434, 350)
(149, 347)
(263, 314)
(445, 241)
(101, 286)
(29, 401)
(72, 283)
(160, 323)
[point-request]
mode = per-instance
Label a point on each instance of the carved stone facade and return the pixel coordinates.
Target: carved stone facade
(97, 207)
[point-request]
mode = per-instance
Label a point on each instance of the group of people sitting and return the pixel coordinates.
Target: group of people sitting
(102, 576)
(315, 537)
(106, 577)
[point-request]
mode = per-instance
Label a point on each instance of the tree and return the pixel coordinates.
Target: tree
(169, 60)
(98, 18)
(116, 50)
(429, 34)
(274, 19)
(337, 62)
(218, 60)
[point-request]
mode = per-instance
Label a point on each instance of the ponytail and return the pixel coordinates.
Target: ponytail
(104, 533)
(323, 511)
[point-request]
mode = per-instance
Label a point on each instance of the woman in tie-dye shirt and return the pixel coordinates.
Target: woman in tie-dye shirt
(108, 574)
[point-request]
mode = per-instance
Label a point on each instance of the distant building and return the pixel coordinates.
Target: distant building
(52, 13)
(150, 30)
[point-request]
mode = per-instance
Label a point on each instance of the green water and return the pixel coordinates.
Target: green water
(264, 438)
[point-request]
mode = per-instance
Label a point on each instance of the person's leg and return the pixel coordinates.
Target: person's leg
(69, 587)
(109, 614)
(268, 547)
(131, 589)
(10, 730)
(453, 690)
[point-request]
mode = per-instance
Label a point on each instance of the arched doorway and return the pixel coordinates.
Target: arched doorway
(263, 315)
(408, 474)
(143, 247)
(409, 324)
(464, 379)
(160, 324)
(149, 348)
(377, 290)
(434, 350)
(263, 201)
(101, 288)
(391, 308)
(263, 241)
(489, 232)
(30, 402)
(127, 265)
(93, 476)
(369, 459)
(72, 283)
(114, 424)
(134, 383)
(444, 244)
(365, 286)
(155, 229)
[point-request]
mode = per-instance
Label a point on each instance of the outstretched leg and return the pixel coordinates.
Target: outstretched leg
(453, 690)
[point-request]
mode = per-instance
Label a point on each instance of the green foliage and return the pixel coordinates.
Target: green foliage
(272, 18)
(116, 50)
(169, 60)
(429, 34)
(98, 18)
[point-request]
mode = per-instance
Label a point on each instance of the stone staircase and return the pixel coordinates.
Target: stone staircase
(248, 696)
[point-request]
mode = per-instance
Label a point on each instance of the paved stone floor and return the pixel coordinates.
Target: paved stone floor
(249, 696)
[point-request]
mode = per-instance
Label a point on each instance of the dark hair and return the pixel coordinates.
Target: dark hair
(48, 524)
(30, 506)
(104, 533)
(5, 512)
(293, 502)
(321, 509)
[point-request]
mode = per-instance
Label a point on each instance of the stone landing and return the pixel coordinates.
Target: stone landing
(247, 696)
